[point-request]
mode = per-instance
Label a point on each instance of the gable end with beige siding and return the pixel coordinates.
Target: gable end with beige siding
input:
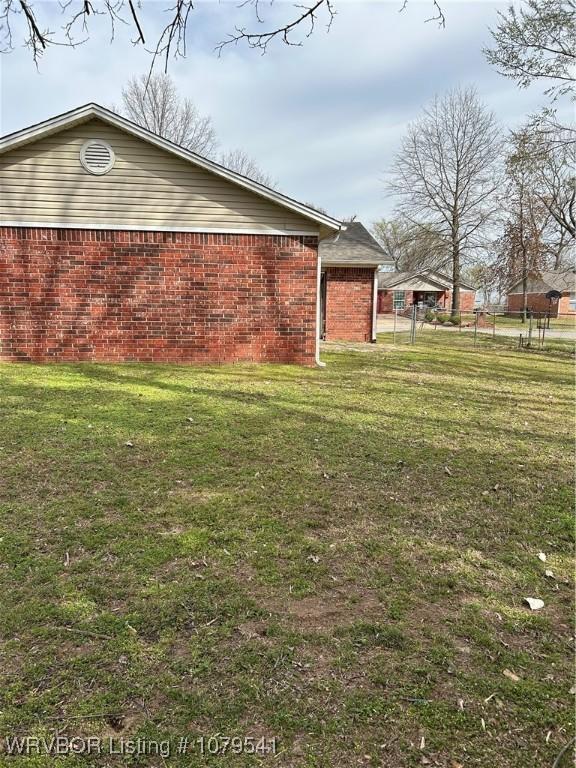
(45, 183)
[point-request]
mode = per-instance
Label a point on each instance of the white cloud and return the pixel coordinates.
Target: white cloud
(323, 119)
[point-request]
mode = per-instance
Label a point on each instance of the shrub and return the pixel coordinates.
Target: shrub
(429, 316)
(443, 318)
(454, 320)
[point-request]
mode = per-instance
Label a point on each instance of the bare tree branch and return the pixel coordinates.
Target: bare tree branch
(308, 16)
(171, 41)
(412, 245)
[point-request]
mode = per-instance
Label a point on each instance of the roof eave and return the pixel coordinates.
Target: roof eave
(331, 263)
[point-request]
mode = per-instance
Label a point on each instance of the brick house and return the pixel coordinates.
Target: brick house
(349, 288)
(400, 290)
(116, 245)
(538, 285)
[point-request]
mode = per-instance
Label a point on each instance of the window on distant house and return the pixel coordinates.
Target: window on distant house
(399, 300)
(573, 301)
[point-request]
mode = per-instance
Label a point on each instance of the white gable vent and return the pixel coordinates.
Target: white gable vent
(97, 156)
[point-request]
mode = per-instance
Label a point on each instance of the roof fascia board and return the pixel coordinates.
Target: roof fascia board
(45, 128)
(328, 263)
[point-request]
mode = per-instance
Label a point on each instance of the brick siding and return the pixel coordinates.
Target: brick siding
(467, 300)
(385, 301)
(70, 295)
(537, 302)
(349, 303)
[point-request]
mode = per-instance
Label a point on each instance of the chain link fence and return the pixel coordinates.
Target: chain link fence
(480, 328)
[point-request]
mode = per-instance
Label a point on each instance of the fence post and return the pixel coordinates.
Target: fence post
(530, 316)
(494, 327)
(394, 331)
(413, 326)
(476, 327)
(541, 334)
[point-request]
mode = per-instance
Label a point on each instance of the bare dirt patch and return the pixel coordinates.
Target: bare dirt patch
(324, 613)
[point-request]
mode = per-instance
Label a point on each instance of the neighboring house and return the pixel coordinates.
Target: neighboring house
(349, 286)
(116, 244)
(538, 286)
(400, 290)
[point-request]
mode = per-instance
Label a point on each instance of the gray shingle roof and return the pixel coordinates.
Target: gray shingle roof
(563, 280)
(560, 280)
(354, 245)
(390, 279)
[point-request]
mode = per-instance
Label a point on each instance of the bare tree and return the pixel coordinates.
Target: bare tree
(553, 163)
(446, 174)
(154, 103)
(522, 244)
(23, 22)
(412, 247)
(238, 161)
(537, 42)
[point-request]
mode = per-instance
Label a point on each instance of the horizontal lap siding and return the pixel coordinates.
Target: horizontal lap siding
(44, 182)
(151, 296)
(349, 307)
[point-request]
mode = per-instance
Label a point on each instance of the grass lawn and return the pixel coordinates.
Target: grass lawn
(336, 558)
(562, 322)
(447, 337)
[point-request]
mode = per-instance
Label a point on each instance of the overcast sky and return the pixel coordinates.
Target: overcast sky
(323, 119)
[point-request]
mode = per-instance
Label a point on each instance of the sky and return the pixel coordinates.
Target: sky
(324, 120)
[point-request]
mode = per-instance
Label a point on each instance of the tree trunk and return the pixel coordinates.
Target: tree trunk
(524, 294)
(455, 274)
(524, 246)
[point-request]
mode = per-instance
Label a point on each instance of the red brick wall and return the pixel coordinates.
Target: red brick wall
(385, 301)
(564, 307)
(467, 300)
(349, 305)
(538, 302)
(153, 296)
